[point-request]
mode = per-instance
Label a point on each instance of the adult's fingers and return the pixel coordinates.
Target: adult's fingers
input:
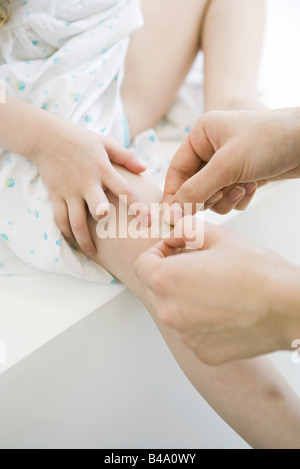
(212, 178)
(188, 232)
(122, 156)
(235, 197)
(208, 236)
(184, 165)
(213, 200)
(78, 221)
(195, 152)
(148, 262)
(250, 189)
(232, 196)
(262, 183)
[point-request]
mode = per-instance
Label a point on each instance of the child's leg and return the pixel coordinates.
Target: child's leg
(159, 57)
(232, 40)
(161, 54)
(251, 396)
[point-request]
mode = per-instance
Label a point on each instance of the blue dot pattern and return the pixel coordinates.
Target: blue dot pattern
(70, 63)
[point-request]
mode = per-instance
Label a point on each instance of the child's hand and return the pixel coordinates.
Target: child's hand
(75, 164)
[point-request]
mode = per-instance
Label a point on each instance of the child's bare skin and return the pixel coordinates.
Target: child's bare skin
(49, 142)
(171, 39)
(161, 54)
(163, 51)
(251, 395)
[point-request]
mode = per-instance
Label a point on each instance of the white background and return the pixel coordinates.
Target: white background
(280, 72)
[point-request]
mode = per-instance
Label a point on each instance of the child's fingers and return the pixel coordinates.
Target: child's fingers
(94, 197)
(62, 218)
(120, 187)
(78, 220)
(134, 165)
(122, 156)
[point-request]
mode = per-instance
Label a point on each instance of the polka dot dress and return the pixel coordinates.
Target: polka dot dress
(65, 57)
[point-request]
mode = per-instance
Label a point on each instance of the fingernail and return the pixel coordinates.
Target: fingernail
(173, 214)
(215, 198)
(235, 194)
(250, 188)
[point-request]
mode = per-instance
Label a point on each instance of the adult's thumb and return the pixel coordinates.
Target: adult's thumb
(215, 176)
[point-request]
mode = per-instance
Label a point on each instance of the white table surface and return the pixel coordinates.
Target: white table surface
(34, 310)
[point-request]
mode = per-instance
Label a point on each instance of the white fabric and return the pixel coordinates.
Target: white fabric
(67, 57)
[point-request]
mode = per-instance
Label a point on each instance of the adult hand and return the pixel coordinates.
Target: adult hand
(228, 154)
(229, 301)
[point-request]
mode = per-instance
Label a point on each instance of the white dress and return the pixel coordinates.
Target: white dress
(66, 57)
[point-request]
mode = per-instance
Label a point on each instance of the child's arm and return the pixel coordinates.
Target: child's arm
(73, 162)
(251, 396)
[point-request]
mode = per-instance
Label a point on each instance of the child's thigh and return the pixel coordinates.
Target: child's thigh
(159, 58)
